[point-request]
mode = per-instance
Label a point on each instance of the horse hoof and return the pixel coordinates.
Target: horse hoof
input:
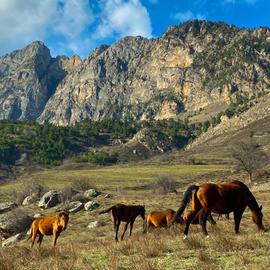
(184, 237)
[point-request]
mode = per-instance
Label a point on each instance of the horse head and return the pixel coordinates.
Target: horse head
(257, 217)
(142, 211)
(63, 219)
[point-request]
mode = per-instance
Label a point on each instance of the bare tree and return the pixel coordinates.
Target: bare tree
(249, 157)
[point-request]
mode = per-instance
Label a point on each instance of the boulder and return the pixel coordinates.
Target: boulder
(92, 224)
(7, 206)
(91, 206)
(50, 199)
(13, 222)
(91, 193)
(29, 200)
(74, 207)
(13, 240)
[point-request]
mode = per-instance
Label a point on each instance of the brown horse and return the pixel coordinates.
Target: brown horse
(221, 199)
(126, 213)
(48, 225)
(161, 219)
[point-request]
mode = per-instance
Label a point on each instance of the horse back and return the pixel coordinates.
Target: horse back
(125, 212)
(45, 225)
(160, 218)
(223, 198)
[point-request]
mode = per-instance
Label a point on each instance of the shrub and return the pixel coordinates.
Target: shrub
(82, 185)
(29, 187)
(164, 185)
(101, 158)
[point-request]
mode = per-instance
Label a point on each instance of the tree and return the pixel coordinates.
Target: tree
(249, 157)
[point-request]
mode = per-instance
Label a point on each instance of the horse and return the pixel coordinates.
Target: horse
(48, 225)
(161, 219)
(221, 199)
(126, 213)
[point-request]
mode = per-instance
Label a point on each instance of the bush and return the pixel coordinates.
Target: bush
(101, 158)
(164, 185)
(29, 187)
(82, 185)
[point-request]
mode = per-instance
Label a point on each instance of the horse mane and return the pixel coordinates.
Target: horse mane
(185, 201)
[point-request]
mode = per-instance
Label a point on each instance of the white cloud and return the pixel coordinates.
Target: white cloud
(21, 22)
(250, 2)
(121, 18)
(187, 15)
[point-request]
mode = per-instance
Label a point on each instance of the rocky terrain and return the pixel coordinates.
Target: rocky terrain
(192, 66)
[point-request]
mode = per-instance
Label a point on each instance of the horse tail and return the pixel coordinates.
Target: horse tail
(106, 210)
(30, 234)
(185, 201)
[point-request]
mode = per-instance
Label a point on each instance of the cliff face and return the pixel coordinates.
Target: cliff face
(28, 78)
(190, 67)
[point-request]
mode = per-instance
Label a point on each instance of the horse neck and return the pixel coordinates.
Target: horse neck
(252, 203)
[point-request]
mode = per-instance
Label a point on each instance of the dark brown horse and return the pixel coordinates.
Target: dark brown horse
(126, 213)
(221, 199)
(48, 225)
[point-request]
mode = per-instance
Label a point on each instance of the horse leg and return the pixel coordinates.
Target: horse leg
(188, 222)
(237, 219)
(131, 226)
(117, 229)
(40, 238)
(122, 237)
(55, 236)
(203, 219)
(34, 235)
(211, 219)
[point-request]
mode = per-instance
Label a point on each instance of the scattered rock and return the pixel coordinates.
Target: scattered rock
(50, 199)
(13, 240)
(92, 224)
(29, 200)
(74, 207)
(91, 206)
(107, 195)
(91, 193)
(13, 222)
(7, 206)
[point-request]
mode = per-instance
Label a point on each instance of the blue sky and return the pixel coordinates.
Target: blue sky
(78, 26)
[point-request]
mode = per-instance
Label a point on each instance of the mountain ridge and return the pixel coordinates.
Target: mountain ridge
(188, 68)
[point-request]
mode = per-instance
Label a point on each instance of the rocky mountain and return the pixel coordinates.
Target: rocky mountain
(192, 66)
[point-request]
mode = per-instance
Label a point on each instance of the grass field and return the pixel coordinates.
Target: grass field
(83, 248)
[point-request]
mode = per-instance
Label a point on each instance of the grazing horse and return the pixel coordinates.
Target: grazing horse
(161, 219)
(221, 199)
(48, 225)
(126, 213)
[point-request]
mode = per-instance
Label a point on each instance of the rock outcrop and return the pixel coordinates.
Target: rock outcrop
(50, 199)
